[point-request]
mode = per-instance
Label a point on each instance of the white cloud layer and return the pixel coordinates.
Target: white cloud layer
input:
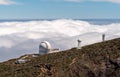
(19, 38)
(6, 2)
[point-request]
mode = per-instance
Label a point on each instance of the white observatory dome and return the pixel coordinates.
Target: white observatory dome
(45, 45)
(45, 48)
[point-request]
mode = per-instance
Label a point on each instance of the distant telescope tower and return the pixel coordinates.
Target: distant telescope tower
(79, 44)
(103, 37)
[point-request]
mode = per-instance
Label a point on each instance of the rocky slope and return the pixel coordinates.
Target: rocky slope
(97, 60)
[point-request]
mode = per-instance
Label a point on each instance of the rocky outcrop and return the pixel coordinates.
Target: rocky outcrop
(46, 70)
(105, 68)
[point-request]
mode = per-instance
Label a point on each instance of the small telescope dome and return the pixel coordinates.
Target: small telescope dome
(45, 45)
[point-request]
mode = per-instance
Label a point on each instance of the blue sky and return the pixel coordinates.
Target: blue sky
(52, 9)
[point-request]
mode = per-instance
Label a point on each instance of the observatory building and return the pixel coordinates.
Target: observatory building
(45, 47)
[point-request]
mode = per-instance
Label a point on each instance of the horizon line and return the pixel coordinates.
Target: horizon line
(61, 18)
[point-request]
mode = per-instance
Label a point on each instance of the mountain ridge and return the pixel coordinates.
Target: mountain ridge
(96, 60)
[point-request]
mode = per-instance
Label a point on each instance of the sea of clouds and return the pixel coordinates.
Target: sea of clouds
(19, 38)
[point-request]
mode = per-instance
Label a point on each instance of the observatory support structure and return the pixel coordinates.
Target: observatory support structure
(79, 44)
(103, 37)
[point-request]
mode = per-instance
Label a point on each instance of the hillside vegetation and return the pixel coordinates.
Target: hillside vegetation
(96, 60)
